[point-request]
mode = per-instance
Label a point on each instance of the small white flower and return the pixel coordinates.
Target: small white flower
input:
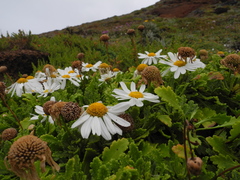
(101, 120)
(134, 96)
(40, 112)
(68, 74)
(87, 67)
(106, 77)
(179, 66)
(47, 87)
(151, 58)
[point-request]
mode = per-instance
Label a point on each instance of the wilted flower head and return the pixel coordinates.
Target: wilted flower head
(194, 165)
(24, 152)
(80, 56)
(131, 32)
(55, 110)
(71, 111)
(141, 27)
(186, 52)
(77, 65)
(47, 106)
(104, 38)
(232, 62)
(104, 68)
(9, 134)
(151, 74)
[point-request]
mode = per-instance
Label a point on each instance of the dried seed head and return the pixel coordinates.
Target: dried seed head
(24, 152)
(203, 54)
(186, 52)
(129, 119)
(104, 38)
(47, 106)
(55, 110)
(71, 111)
(9, 134)
(49, 70)
(194, 165)
(131, 32)
(232, 62)
(77, 65)
(151, 74)
(80, 56)
(141, 27)
(3, 69)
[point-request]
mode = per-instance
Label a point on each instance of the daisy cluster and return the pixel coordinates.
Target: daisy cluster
(179, 62)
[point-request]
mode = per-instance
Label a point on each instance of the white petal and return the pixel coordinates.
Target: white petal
(124, 87)
(118, 120)
(96, 128)
(118, 130)
(133, 86)
(119, 108)
(86, 128)
(81, 120)
(109, 124)
(142, 88)
(105, 133)
(39, 110)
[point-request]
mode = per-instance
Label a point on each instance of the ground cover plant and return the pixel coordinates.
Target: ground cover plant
(144, 104)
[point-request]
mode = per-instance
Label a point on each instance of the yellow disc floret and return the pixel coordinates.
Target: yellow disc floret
(89, 65)
(22, 80)
(151, 54)
(141, 67)
(97, 109)
(30, 77)
(103, 65)
(179, 63)
(136, 94)
(72, 71)
(65, 76)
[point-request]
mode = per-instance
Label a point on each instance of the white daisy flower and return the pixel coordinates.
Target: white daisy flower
(101, 120)
(24, 85)
(40, 112)
(180, 66)
(135, 97)
(151, 58)
(68, 74)
(106, 77)
(47, 87)
(87, 67)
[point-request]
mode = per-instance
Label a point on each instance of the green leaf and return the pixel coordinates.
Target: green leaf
(116, 149)
(234, 132)
(168, 95)
(70, 168)
(49, 138)
(223, 161)
(179, 150)
(165, 119)
(220, 146)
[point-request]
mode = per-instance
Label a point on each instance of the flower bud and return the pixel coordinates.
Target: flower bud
(194, 165)
(9, 134)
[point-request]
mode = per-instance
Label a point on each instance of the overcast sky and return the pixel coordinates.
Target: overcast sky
(40, 16)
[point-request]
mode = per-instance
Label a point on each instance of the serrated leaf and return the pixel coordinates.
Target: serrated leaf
(223, 161)
(179, 150)
(70, 168)
(116, 149)
(169, 96)
(165, 119)
(49, 138)
(234, 132)
(220, 146)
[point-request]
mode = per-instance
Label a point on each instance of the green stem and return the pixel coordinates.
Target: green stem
(229, 169)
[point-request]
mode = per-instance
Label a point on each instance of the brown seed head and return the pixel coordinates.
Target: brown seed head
(232, 62)
(131, 32)
(141, 27)
(80, 56)
(186, 52)
(9, 134)
(24, 152)
(49, 69)
(104, 38)
(104, 68)
(194, 165)
(55, 110)
(151, 74)
(128, 118)
(203, 54)
(47, 106)
(3, 69)
(77, 65)
(71, 111)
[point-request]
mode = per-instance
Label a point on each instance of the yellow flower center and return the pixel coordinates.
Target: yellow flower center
(53, 75)
(89, 65)
(103, 65)
(72, 71)
(141, 67)
(97, 109)
(65, 76)
(116, 70)
(179, 63)
(79, 75)
(30, 77)
(22, 80)
(136, 94)
(46, 91)
(151, 54)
